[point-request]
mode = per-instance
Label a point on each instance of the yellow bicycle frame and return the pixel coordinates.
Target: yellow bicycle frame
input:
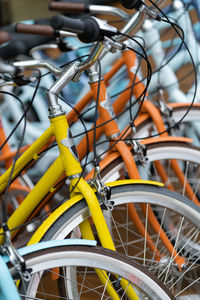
(72, 201)
(66, 162)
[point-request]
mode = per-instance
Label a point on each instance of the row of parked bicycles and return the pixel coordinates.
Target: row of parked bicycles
(99, 152)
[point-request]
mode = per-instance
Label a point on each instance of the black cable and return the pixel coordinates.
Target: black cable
(143, 94)
(157, 70)
(4, 199)
(177, 123)
(96, 160)
(24, 132)
(24, 109)
(131, 92)
(149, 70)
(193, 64)
(19, 100)
(182, 118)
(87, 139)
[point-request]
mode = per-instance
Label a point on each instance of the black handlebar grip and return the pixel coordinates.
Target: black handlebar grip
(130, 4)
(12, 49)
(87, 29)
(92, 32)
(21, 44)
(65, 23)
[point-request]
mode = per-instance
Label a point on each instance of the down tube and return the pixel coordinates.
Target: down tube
(26, 157)
(33, 199)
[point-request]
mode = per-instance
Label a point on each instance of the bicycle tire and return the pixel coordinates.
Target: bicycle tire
(166, 202)
(146, 126)
(60, 260)
(186, 155)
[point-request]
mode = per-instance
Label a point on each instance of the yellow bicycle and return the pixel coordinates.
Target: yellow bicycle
(99, 211)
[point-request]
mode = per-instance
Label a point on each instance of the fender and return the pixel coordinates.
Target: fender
(115, 154)
(37, 236)
(50, 244)
(7, 287)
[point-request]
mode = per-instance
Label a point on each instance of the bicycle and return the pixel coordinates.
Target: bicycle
(42, 259)
(190, 193)
(158, 117)
(155, 192)
(44, 270)
(61, 257)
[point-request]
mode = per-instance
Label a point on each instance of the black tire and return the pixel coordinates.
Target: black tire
(168, 206)
(86, 261)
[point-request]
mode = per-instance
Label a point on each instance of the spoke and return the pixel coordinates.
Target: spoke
(83, 280)
(119, 235)
(36, 298)
(185, 178)
(145, 237)
(188, 286)
(49, 295)
(158, 236)
(168, 173)
(108, 277)
(41, 285)
(127, 229)
(172, 258)
(190, 267)
(196, 189)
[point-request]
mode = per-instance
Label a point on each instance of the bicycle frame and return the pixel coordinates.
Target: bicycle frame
(67, 163)
(111, 130)
(129, 59)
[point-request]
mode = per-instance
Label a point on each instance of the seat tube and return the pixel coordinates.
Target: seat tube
(66, 145)
(73, 171)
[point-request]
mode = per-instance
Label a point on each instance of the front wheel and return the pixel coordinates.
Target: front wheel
(177, 217)
(98, 274)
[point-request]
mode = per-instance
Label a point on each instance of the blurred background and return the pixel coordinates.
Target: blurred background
(16, 10)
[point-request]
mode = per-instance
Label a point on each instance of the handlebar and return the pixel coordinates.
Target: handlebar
(88, 29)
(72, 7)
(40, 30)
(91, 29)
(4, 37)
(78, 26)
(30, 64)
(131, 4)
(76, 7)
(35, 29)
